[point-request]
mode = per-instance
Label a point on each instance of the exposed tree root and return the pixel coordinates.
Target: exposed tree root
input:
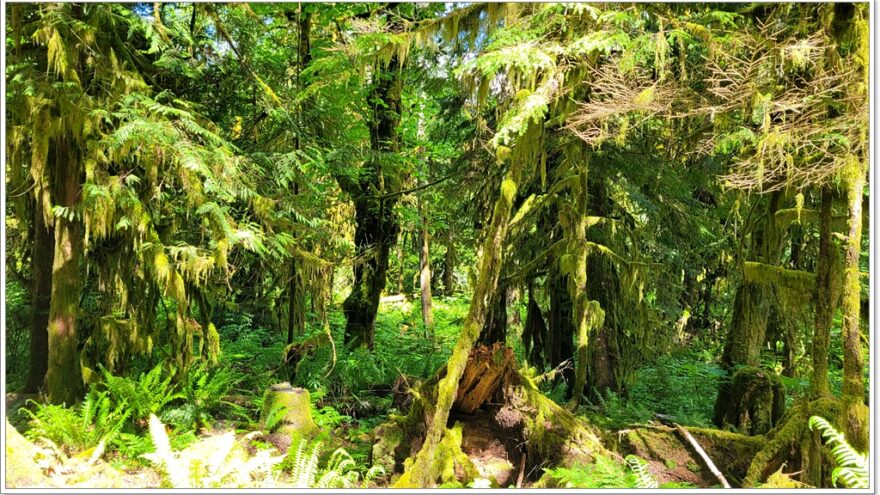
(793, 444)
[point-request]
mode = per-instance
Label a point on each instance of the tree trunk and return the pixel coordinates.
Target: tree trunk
(400, 243)
(422, 471)
(376, 221)
(295, 306)
(495, 326)
(855, 413)
(449, 264)
(425, 277)
(560, 344)
(63, 376)
(534, 331)
(824, 302)
(41, 296)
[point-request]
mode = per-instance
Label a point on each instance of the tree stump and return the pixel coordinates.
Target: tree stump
(296, 417)
(757, 401)
(486, 370)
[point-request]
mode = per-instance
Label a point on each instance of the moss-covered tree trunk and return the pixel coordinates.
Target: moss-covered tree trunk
(422, 472)
(374, 198)
(751, 312)
(41, 296)
(824, 301)
(534, 330)
(63, 376)
(855, 413)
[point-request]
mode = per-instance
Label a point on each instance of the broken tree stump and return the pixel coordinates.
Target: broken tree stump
(294, 406)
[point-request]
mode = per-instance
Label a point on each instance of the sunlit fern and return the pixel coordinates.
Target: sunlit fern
(852, 466)
(644, 479)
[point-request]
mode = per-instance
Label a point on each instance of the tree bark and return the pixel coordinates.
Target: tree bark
(295, 306)
(855, 413)
(41, 296)
(824, 301)
(425, 276)
(63, 376)
(377, 225)
(449, 264)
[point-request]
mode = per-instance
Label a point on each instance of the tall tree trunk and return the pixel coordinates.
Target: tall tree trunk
(560, 342)
(295, 306)
(824, 301)
(400, 261)
(422, 472)
(855, 413)
(63, 376)
(425, 276)
(377, 226)
(534, 330)
(41, 296)
(449, 264)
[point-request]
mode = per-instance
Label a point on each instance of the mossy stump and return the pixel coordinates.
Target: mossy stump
(756, 402)
(491, 386)
(296, 420)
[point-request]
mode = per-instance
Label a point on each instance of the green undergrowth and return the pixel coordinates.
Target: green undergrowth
(682, 385)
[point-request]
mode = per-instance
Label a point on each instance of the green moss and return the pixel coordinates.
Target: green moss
(297, 415)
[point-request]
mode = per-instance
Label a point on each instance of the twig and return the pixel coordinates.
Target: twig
(522, 471)
(702, 453)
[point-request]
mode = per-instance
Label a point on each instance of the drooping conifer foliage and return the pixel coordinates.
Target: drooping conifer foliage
(478, 240)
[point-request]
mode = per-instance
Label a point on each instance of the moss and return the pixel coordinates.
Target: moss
(452, 465)
(388, 445)
(22, 470)
(757, 400)
(788, 435)
(297, 418)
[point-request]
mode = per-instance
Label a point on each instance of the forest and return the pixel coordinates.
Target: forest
(437, 245)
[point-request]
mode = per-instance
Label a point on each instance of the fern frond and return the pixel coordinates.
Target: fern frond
(644, 479)
(852, 466)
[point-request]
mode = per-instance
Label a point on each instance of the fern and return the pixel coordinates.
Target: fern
(94, 423)
(852, 466)
(212, 462)
(644, 479)
(149, 394)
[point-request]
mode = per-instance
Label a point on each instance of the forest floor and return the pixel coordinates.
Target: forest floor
(361, 390)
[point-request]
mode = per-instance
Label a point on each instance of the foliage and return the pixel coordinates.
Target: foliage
(340, 469)
(95, 422)
(211, 462)
(603, 473)
(147, 394)
(851, 466)
(639, 469)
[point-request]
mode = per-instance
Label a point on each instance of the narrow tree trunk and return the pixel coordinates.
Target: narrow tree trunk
(535, 330)
(295, 316)
(400, 244)
(422, 472)
(63, 376)
(824, 301)
(855, 413)
(449, 264)
(425, 277)
(560, 344)
(41, 296)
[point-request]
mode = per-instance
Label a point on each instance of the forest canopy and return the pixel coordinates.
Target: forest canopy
(420, 245)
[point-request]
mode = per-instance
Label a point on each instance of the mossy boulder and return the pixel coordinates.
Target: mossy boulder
(22, 470)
